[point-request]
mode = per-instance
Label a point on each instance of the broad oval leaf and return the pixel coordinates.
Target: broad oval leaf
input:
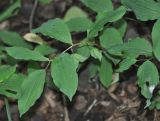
(147, 77)
(110, 37)
(144, 9)
(93, 68)
(75, 12)
(56, 29)
(79, 24)
(63, 71)
(77, 19)
(25, 54)
(97, 54)
(6, 71)
(13, 39)
(100, 6)
(156, 39)
(45, 49)
(137, 46)
(78, 58)
(105, 72)
(110, 16)
(126, 64)
(31, 90)
(84, 51)
(114, 59)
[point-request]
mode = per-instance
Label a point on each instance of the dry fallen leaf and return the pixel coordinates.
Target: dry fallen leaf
(34, 38)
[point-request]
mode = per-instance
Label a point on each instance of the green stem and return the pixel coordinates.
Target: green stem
(71, 47)
(8, 109)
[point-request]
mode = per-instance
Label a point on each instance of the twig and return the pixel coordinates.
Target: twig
(131, 19)
(32, 15)
(95, 101)
(90, 107)
(48, 64)
(8, 109)
(71, 47)
(66, 116)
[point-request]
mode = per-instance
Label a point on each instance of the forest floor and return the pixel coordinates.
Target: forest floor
(120, 102)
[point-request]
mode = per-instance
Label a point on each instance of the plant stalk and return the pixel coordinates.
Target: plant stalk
(8, 109)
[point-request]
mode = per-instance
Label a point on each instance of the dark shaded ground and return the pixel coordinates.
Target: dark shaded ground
(121, 102)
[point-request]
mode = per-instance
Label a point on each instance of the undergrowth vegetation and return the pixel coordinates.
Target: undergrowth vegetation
(103, 44)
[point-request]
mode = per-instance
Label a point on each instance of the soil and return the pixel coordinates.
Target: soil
(120, 102)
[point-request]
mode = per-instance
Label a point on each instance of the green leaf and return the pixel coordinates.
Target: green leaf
(110, 16)
(10, 60)
(77, 20)
(144, 9)
(45, 49)
(126, 64)
(137, 46)
(78, 58)
(148, 78)
(45, 1)
(31, 90)
(97, 54)
(25, 54)
(105, 72)
(93, 68)
(84, 51)
(56, 29)
(100, 6)
(146, 92)
(121, 26)
(158, 105)
(110, 37)
(11, 86)
(79, 24)
(114, 59)
(6, 71)
(63, 71)
(13, 39)
(10, 11)
(155, 101)
(75, 12)
(156, 39)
